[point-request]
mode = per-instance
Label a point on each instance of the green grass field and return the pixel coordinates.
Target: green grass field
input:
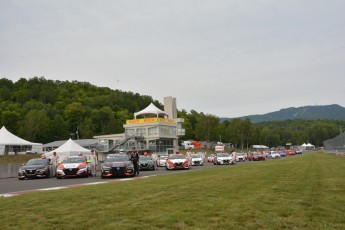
(299, 192)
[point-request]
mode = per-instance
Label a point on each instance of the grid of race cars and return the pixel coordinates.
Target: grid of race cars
(120, 165)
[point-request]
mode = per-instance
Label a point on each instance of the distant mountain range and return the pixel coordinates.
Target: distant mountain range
(332, 112)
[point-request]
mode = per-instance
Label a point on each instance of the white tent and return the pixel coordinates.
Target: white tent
(308, 146)
(260, 147)
(150, 110)
(11, 144)
(69, 148)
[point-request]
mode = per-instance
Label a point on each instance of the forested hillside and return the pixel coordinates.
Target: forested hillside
(41, 110)
(316, 112)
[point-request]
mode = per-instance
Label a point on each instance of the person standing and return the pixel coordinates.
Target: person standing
(135, 159)
(55, 163)
(93, 163)
(234, 155)
(155, 158)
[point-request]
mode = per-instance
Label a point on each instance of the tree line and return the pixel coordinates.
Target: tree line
(41, 110)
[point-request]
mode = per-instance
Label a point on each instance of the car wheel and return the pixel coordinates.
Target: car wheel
(20, 178)
(58, 177)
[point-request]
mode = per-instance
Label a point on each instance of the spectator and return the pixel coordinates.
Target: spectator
(93, 163)
(55, 162)
(135, 159)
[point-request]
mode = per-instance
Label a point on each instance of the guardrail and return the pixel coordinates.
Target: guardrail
(9, 170)
(337, 153)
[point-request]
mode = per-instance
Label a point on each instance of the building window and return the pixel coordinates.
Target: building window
(167, 131)
(153, 131)
(141, 132)
(130, 132)
(163, 144)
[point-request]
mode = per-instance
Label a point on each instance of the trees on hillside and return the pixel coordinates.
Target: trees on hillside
(43, 110)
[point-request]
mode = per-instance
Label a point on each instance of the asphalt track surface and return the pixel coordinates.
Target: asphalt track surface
(13, 186)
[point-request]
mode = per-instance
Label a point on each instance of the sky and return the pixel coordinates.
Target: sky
(227, 58)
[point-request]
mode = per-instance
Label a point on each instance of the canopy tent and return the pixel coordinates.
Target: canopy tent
(69, 148)
(150, 111)
(308, 146)
(11, 144)
(260, 147)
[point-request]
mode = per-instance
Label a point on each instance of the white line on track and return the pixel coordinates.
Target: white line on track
(48, 189)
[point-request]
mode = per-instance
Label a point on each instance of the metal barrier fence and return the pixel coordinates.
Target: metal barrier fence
(335, 144)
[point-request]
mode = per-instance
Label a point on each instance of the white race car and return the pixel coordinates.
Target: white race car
(240, 157)
(223, 159)
(273, 155)
(73, 166)
(197, 160)
(177, 161)
(161, 160)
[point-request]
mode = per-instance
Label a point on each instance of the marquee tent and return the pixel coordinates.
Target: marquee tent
(308, 146)
(11, 144)
(69, 148)
(150, 111)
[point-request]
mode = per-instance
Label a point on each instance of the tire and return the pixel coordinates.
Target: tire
(58, 177)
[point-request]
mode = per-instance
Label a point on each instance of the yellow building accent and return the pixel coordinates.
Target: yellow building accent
(150, 120)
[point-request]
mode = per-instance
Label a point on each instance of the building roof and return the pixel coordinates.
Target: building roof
(150, 111)
(82, 142)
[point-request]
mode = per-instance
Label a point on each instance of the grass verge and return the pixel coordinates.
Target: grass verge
(299, 192)
(21, 159)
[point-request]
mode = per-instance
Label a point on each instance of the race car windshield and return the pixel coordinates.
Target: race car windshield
(74, 160)
(145, 158)
(223, 155)
(116, 158)
(36, 162)
(177, 157)
(195, 156)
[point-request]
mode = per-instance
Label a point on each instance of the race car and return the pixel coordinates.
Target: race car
(146, 163)
(35, 168)
(116, 165)
(73, 166)
(197, 160)
(161, 160)
(177, 161)
(223, 159)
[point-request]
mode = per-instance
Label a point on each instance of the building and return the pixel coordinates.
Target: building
(151, 130)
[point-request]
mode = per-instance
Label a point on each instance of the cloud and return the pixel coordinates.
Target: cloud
(226, 58)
